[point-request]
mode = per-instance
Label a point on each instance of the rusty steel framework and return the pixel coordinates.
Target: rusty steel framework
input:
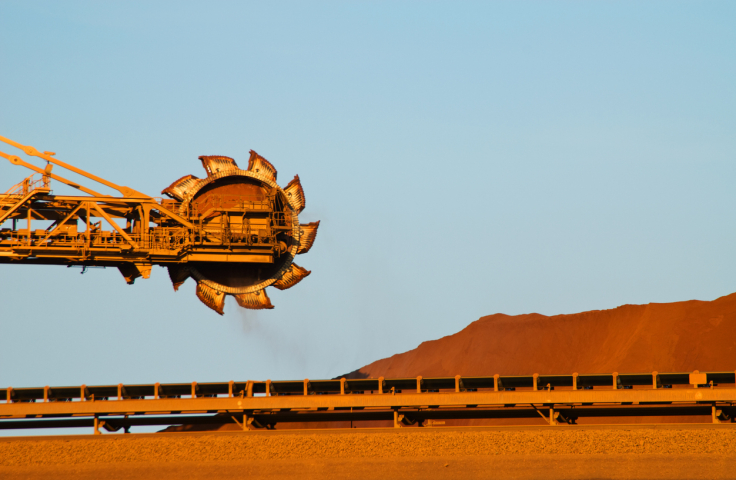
(554, 399)
(234, 232)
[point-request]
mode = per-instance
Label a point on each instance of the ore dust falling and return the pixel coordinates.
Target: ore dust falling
(283, 348)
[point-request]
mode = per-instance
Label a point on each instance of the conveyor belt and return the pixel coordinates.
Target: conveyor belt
(555, 399)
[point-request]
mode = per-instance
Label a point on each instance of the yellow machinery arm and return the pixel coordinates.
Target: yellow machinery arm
(48, 156)
(235, 232)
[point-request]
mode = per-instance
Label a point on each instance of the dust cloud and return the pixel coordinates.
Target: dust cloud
(281, 348)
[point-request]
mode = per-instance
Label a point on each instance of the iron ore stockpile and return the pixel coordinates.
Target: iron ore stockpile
(640, 391)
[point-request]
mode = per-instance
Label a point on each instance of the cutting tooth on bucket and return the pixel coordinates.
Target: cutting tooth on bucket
(215, 164)
(255, 301)
(178, 275)
(295, 194)
(308, 234)
(179, 189)
(291, 277)
(258, 164)
(211, 297)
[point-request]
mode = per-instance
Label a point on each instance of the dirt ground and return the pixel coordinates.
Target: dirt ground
(674, 452)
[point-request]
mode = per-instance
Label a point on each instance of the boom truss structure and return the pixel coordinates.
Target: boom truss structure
(553, 399)
(235, 232)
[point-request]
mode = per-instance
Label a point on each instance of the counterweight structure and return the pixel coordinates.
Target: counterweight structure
(235, 231)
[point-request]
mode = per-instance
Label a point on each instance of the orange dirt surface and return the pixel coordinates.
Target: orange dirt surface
(523, 453)
(666, 337)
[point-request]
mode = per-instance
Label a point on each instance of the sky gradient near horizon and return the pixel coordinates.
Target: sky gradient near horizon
(465, 159)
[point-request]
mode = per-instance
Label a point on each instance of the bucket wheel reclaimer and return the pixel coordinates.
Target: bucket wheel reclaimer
(235, 231)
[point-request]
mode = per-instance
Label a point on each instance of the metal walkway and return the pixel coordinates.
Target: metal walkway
(555, 399)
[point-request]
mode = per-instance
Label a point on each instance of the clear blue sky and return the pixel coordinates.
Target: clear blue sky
(464, 158)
